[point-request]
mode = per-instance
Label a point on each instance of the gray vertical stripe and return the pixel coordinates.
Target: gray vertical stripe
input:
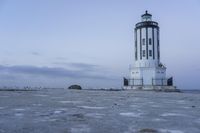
(153, 43)
(140, 44)
(158, 44)
(136, 44)
(147, 52)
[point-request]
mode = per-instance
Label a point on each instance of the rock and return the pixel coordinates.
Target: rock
(147, 130)
(76, 87)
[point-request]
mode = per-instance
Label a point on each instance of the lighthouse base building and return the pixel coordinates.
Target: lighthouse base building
(147, 72)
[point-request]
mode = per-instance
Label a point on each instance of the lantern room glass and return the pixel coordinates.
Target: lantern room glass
(146, 18)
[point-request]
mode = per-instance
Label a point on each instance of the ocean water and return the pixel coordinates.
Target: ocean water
(87, 111)
(191, 91)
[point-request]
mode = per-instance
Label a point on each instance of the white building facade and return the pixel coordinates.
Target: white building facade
(147, 69)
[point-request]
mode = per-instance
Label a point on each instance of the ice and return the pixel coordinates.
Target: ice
(170, 131)
(19, 114)
(95, 115)
(2, 107)
(20, 109)
(158, 119)
(80, 129)
(99, 112)
(74, 102)
(171, 114)
(181, 101)
(62, 109)
(2, 131)
(4, 96)
(130, 114)
(37, 104)
(198, 121)
(40, 95)
(91, 107)
(155, 106)
(134, 106)
(58, 112)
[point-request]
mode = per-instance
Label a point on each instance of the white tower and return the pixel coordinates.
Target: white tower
(147, 69)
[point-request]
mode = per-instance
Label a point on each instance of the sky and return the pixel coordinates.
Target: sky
(55, 43)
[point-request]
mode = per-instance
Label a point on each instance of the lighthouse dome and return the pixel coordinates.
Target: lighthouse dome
(146, 17)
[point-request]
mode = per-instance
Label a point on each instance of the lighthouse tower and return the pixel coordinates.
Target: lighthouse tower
(147, 70)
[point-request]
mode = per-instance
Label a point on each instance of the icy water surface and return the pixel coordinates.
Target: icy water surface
(86, 111)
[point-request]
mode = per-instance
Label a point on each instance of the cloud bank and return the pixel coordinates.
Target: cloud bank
(44, 76)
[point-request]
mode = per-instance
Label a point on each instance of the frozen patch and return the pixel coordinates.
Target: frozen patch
(57, 97)
(170, 131)
(2, 131)
(151, 102)
(37, 104)
(74, 102)
(52, 120)
(169, 101)
(58, 111)
(19, 114)
(158, 119)
(198, 121)
(43, 119)
(131, 129)
(95, 115)
(155, 106)
(2, 107)
(136, 99)
(19, 109)
(171, 114)
(63, 109)
(89, 107)
(181, 101)
(186, 107)
(131, 114)
(80, 129)
(4, 96)
(134, 106)
(41, 95)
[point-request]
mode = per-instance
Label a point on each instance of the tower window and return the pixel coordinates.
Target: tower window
(143, 41)
(149, 41)
(150, 52)
(143, 53)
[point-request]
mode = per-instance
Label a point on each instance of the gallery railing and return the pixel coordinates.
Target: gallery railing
(161, 82)
(154, 82)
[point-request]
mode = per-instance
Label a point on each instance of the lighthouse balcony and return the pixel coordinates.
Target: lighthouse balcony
(146, 24)
(164, 84)
(154, 82)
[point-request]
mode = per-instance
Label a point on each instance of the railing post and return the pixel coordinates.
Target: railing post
(142, 81)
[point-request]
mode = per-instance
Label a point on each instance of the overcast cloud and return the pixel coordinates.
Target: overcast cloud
(18, 73)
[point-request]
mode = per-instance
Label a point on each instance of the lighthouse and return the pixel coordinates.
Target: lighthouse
(147, 71)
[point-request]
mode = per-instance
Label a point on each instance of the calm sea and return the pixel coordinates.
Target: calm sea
(191, 91)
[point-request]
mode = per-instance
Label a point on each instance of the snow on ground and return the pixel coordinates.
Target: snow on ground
(86, 111)
(90, 107)
(130, 114)
(74, 102)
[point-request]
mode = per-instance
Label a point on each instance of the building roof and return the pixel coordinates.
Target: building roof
(146, 14)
